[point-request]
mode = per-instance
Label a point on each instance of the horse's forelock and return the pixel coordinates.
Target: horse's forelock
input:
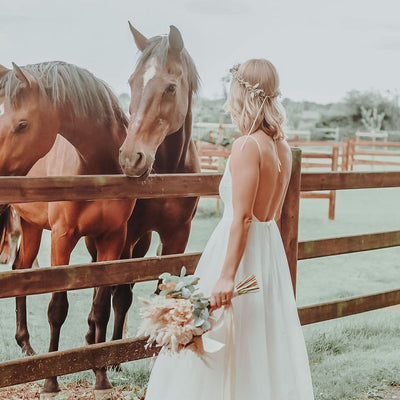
(158, 49)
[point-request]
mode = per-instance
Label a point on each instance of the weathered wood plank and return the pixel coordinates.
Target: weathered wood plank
(377, 153)
(348, 180)
(289, 221)
(107, 273)
(371, 143)
(348, 244)
(316, 155)
(315, 195)
(23, 189)
(299, 143)
(315, 165)
(75, 360)
(350, 306)
(374, 162)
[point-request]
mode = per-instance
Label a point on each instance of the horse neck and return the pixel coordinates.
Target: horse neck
(97, 144)
(172, 153)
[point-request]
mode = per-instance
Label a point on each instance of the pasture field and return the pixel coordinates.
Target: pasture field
(350, 357)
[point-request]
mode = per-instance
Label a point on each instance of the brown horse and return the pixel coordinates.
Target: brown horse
(39, 101)
(159, 141)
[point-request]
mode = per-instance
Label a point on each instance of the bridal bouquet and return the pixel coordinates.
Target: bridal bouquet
(179, 316)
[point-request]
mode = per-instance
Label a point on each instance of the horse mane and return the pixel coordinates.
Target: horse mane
(66, 84)
(158, 47)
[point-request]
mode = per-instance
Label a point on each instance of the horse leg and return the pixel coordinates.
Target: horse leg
(14, 237)
(175, 242)
(30, 243)
(62, 244)
(5, 252)
(122, 298)
(91, 246)
(109, 247)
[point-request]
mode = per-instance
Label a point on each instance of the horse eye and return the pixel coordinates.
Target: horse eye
(21, 127)
(171, 88)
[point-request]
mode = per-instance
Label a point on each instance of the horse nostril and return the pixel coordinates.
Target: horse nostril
(140, 156)
(120, 150)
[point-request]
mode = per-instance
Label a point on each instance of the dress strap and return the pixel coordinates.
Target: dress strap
(259, 149)
(258, 144)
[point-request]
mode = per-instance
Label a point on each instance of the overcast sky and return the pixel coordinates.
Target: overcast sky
(321, 48)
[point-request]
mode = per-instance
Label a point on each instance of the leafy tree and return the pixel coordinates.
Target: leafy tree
(386, 104)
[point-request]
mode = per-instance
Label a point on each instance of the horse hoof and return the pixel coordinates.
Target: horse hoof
(115, 367)
(28, 351)
(54, 395)
(104, 394)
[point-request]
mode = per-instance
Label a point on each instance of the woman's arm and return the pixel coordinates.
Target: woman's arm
(244, 165)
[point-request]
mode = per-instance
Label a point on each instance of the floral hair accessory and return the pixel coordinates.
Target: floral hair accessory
(255, 90)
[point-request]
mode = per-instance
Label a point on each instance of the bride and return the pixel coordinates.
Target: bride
(264, 357)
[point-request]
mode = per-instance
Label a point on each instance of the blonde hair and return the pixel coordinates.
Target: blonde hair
(253, 99)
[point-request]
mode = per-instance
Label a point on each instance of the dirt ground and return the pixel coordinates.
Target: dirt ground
(83, 391)
(393, 393)
(73, 391)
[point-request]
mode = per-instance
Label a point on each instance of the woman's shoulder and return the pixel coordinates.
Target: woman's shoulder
(245, 145)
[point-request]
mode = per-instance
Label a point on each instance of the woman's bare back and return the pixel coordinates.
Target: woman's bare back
(274, 175)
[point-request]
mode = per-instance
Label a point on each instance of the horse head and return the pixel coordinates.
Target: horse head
(27, 129)
(161, 92)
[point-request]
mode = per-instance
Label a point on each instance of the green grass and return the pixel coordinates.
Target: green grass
(349, 356)
(355, 355)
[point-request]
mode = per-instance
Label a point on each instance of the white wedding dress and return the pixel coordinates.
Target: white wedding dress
(268, 359)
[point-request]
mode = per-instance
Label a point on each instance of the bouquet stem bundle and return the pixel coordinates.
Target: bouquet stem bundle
(249, 285)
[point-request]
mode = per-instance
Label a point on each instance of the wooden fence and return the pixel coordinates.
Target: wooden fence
(337, 158)
(61, 278)
(364, 152)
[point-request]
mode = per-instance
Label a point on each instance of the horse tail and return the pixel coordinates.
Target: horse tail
(5, 224)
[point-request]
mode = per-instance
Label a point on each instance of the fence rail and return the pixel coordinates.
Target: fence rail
(93, 187)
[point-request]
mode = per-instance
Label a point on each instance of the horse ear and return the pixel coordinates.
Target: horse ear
(175, 39)
(27, 80)
(3, 70)
(140, 40)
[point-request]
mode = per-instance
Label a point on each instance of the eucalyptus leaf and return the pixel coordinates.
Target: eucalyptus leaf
(206, 326)
(165, 275)
(199, 322)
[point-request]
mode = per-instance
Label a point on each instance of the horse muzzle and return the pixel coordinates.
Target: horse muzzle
(138, 165)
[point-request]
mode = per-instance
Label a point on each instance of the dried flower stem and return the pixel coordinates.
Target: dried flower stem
(248, 285)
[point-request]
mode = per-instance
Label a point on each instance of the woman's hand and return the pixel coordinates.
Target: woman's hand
(222, 293)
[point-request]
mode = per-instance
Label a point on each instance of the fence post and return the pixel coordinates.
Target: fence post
(290, 216)
(332, 193)
(345, 154)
